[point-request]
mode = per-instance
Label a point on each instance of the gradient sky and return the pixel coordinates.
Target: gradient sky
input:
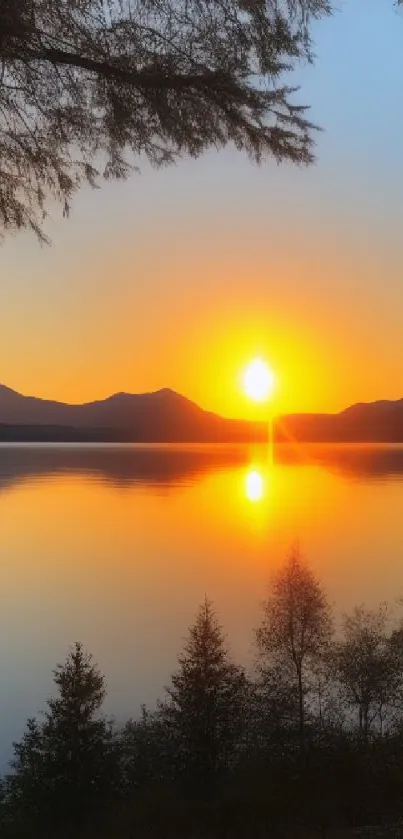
(178, 277)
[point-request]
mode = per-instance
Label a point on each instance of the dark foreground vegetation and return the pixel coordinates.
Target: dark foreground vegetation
(310, 745)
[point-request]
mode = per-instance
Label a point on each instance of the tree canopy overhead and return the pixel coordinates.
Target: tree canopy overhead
(87, 84)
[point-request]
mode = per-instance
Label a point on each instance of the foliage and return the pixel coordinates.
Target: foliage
(294, 636)
(206, 703)
(369, 665)
(148, 752)
(87, 84)
(64, 766)
(221, 756)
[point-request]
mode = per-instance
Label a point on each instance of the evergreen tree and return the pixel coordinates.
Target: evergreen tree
(64, 767)
(205, 709)
(144, 754)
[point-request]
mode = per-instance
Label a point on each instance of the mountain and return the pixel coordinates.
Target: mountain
(371, 422)
(163, 416)
(166, 416)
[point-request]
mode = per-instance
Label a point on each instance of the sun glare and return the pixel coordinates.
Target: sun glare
(258, 380)
(254, 485)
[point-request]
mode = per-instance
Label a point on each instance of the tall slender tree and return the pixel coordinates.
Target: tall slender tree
(295, 632)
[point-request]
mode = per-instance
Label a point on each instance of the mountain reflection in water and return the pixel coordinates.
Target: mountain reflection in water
(174, 466)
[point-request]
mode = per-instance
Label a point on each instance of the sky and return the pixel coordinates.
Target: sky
(177, 278)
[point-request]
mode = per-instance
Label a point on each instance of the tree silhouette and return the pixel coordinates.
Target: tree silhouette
(85, 83)
(64, 767)
(145, 752)
(295, 632)
(218, 757)
(369, 666)
(205, 708)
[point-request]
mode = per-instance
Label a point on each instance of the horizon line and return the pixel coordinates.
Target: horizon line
(169, 390)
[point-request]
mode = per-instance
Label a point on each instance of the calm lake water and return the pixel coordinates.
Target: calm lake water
(116, 546)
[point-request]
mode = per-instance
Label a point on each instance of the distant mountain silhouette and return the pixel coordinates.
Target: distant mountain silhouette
(372, 422)
(166, 416)
(163, 416)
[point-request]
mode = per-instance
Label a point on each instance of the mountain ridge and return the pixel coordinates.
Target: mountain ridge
(160, 416)
(167, 416)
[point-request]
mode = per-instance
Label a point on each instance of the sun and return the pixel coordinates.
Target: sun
(258, 380)
(254, 485)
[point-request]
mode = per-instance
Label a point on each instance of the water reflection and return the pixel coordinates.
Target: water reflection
(175, 466)
(117, 545)
(120, 465)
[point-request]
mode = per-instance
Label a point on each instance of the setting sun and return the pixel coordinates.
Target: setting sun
(254, 485)
(258, 380)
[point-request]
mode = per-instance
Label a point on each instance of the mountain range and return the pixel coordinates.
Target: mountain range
(166, 416)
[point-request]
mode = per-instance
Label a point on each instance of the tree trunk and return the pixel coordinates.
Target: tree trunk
(366, 722)
(301, 717)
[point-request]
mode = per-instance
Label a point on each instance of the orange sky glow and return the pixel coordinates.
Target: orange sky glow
(197, 335)
(179, 277)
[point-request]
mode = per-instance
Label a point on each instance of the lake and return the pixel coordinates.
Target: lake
(116, 546)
